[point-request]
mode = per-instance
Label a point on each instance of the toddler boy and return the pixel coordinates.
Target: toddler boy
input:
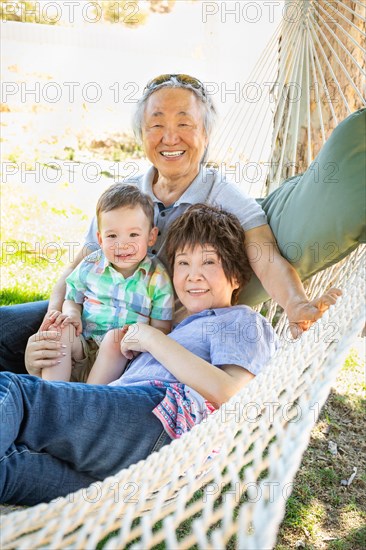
(113, 287)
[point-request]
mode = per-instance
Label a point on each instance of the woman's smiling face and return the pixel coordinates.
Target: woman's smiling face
(173, 132)
(199, 279)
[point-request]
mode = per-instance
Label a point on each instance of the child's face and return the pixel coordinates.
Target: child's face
(124, 236)
(199, 279)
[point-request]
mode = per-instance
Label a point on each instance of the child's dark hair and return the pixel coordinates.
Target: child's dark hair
(121, 194)
(202, 224)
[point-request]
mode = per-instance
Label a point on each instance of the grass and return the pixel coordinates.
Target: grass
(355, 539)
(321, 512)
(11, 296)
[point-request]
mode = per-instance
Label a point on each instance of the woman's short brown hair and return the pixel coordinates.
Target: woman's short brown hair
(120, 195)
(202, 224)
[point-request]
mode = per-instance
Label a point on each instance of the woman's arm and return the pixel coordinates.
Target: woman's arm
(282, 282)
(217, 385)
(44, 349)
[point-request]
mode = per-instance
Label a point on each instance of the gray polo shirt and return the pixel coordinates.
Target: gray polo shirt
(208, 187)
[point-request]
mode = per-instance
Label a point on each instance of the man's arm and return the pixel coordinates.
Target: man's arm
(282, 282)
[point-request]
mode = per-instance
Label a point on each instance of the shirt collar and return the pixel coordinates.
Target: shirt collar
(147, 183)
(196, 192)
(144, 265)
(103, 263)
(205, 313)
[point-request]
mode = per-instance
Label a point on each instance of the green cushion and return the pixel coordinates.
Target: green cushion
(319, 217)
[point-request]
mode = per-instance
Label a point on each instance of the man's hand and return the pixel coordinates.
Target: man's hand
(302, 315)
(282, 282)
(136, 339)
(43, 350)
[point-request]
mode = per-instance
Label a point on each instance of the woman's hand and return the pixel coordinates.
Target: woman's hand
(43, 350)
(303, 315)
(137, 339)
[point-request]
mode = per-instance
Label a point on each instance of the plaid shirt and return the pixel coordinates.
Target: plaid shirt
(111, 301)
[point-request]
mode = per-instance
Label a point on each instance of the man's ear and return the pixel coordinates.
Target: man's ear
(99, 237)
(153, 236)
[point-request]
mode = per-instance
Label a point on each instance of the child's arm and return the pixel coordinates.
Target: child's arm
(110, 363)
(217, 385)
(58, 293)
(72, 305)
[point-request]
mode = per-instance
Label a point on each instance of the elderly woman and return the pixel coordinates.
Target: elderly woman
(174, 119)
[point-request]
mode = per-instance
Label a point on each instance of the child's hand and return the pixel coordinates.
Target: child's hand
(49, 319)
(62, 320)
(136, 339)
(73, 319)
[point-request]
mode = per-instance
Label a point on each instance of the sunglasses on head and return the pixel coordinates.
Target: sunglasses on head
(182, 78)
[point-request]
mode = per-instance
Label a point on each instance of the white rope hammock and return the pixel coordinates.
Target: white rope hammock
(311, 75)
(260, 435)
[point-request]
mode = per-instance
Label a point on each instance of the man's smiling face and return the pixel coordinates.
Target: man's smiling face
(173, 132)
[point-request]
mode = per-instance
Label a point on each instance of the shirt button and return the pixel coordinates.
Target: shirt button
(162, 214)
(154, 251)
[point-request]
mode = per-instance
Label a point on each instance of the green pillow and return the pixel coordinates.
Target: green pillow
(318, 218)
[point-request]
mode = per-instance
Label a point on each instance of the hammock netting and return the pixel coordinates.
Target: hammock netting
(311, 76)
(230, 477)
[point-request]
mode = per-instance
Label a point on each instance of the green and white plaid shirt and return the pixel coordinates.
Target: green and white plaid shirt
(110, 301)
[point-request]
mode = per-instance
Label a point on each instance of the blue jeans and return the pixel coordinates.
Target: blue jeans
(57, 437)
(18, 323)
